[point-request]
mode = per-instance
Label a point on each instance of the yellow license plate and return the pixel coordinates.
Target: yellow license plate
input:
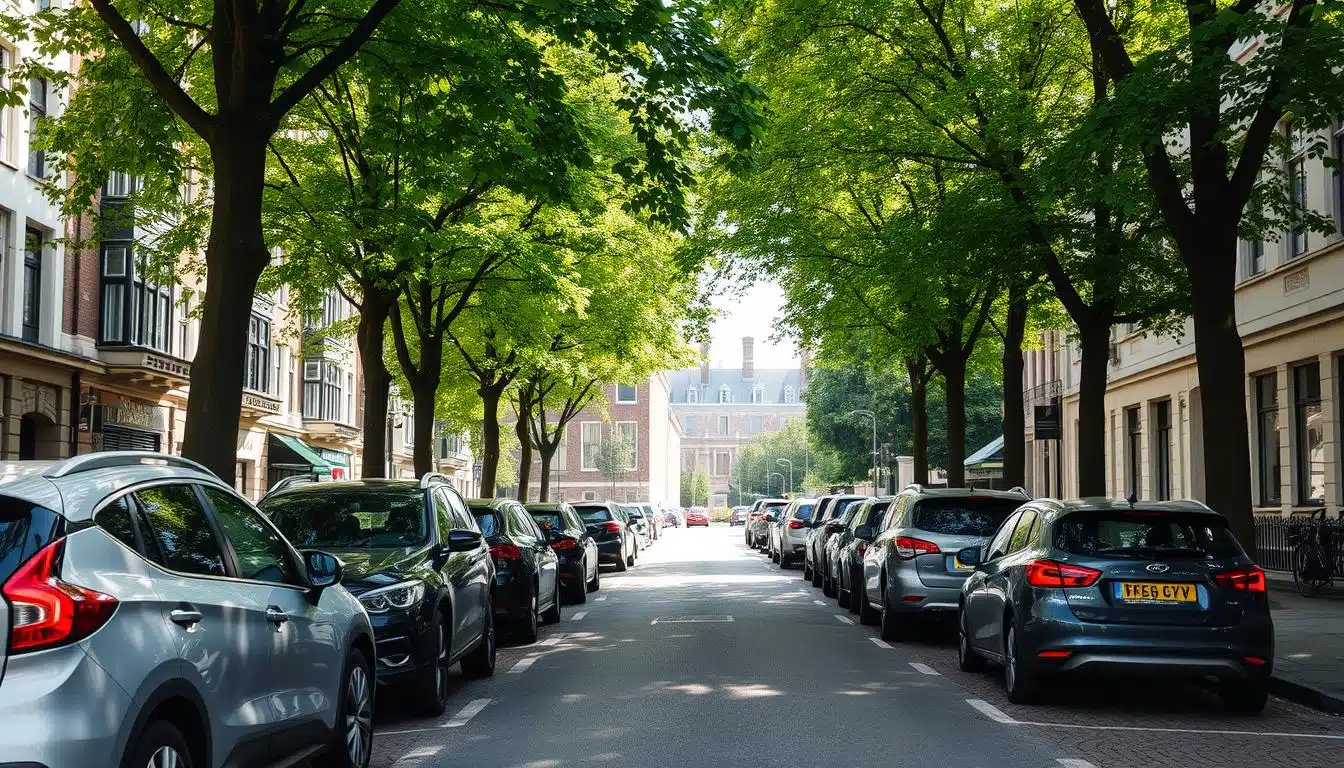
(1150, 592)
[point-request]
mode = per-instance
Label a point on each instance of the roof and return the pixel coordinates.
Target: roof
(772, 381)
(74, 486)
(992, 452)
(1018, 494)
(1106, 504)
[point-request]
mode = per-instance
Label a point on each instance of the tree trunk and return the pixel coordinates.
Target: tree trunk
(954, 384)
(490, 396)
(1014, 418)
(546, 455)
(425, 390)
(1095, 338)
(919, 419)
(1221, 363)
(523, 428)
(235, 257)
(376, 305)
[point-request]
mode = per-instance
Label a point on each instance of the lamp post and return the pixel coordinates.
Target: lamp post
(872, 416)
(782, 462)
(775, 474)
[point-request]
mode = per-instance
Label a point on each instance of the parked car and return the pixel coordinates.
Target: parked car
(573, 545)
(697, 516)
(673, 516)
(1151, 588)
(758, 528)
(137, 589)
(739, 516)
(829, 509)
(616, 543)
(911, 571)
(638, 523)
(652, 518)
(526, 589)
(839, 536)
(788, 534)
(848, 568)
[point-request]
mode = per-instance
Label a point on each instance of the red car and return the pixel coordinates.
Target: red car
(697, 516)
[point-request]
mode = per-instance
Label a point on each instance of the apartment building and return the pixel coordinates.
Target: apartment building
(1042, 394)
(722, 409)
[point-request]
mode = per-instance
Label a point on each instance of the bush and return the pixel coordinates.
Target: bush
(720, 515)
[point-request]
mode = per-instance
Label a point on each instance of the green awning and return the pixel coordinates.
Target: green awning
(305, 453)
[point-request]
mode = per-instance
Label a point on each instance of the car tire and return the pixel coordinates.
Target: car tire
(578, 591)
(867, 615)
(967, 659)
(1020, 682)
(1244, 697)
(807, 569)
(622, 562)
(828, 584)
(785, 562)
(630, 560)
(853, 605)
(892, 627)
(527, 625)
(481, 661)
(351, 743)
(552, 614)
(596, 583)
(158, 736)
(817, 577)
(429, 693)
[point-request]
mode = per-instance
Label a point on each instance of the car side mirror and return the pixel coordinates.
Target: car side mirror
(970, 556)
(323, 569)
(463, 541)
(834, 527)
(864, 532)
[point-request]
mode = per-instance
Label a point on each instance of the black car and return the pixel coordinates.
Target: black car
(526, 589)
(415, 558)
(574, 545)
(852, 544)
(617, 544)
(829, 509)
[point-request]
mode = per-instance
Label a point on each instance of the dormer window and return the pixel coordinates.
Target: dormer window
(789, 395)
(692, 394)
(725, 394)
(757, 395)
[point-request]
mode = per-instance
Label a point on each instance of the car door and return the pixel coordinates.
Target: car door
(574, 527)
(548, 564)
(307, 649)
(992, 592)
(878, 553)
(223, 635)
(470, 585)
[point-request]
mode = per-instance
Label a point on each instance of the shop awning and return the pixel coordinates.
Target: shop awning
(990, 456)
(302, 453)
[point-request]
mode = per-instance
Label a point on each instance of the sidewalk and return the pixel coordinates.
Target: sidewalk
(1309, 645)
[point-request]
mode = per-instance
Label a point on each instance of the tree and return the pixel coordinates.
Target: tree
(615, 457)
(694, 488)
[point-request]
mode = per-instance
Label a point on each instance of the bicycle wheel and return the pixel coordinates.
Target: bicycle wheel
(1307, 568)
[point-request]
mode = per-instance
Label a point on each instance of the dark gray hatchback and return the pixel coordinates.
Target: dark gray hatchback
(1103, 586)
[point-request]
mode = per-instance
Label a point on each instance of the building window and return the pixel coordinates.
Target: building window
(183, 347)
(757, 424)
(326, 315)
(560, 461)
(689, 425)
(590, 495)
(257, 367)
(1339, 178)
(590, 440)
(790, 396)
(408, 429)
(1134, 429)
(1162, 450)
(627, 393)
(32, 285)
(692, 395)
(6, 114)
(449, 446)
(757, 395)
(723, 425)
(321, 390)
(121, 185)
(1297, 190)
(136, 311)
(725, 394)
(37, 109)
(722, 463)
(1267, 438)
(1309, 451)
(630, 431)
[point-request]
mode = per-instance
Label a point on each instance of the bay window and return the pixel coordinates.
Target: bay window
(322, 397)
(257, 367)
(136, 311)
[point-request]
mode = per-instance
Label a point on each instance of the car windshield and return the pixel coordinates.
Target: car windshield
(803, 512)
(633, 511)
(839, 508)
(1146, 534)
(967, 516)
(593, 514)
(488, 520)
(350, 518)
(774, 506)
(549, 521)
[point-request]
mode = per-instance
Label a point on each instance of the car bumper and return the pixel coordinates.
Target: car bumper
(512, 598)
(908, 594)
(46, 708)
(404, 645)
(609, 551)
(572, 572)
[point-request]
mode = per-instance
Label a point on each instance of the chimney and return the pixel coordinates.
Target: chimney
(748, 358)
(704, 363)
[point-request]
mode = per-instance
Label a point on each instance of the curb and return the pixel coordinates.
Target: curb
(1306, 695)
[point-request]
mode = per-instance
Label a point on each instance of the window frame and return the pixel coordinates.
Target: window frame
(1005, 533)
(149, 311)
(693, 395)
(1161, 450)
(1295, 168)
(1268, 461)
(1302, 403)
(1133, 420)
(30, 311)
(37, 109)
(725, 395)
(620, 427)
(257, 359)
(724, 424)
(153, 543)
(634, 394)
(584, 446)
(322, 384)
(7, 55)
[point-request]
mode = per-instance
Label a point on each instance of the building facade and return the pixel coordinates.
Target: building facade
(1043, 388)
(722, 409)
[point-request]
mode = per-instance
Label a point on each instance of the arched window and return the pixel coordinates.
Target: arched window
(725, 394)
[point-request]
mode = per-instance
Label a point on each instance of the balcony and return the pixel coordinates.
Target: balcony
(328, 431)
(143, 367)
(1041, 394)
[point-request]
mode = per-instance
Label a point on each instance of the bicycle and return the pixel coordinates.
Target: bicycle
(1313, 564)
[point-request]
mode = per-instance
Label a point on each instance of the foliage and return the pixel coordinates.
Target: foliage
(694, 489)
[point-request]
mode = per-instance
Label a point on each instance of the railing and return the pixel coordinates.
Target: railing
(1041, 394)
(1276, 537)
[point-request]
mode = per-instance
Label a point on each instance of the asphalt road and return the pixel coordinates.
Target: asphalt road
(707, 654)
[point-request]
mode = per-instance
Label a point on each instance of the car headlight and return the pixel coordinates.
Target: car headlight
(396, 597)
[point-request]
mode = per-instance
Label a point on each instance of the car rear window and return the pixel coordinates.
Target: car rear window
(1146, 534)
(803, 512)
(549, 521)
(837, 509)
(966, 516)
(772, 506)
(593, 514)
(488, 520)
(24, 529)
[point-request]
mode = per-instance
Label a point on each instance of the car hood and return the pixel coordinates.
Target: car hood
(366, 569)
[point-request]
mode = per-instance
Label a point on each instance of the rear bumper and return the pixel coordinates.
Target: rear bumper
(512, 598)
(609, 551)
(908, 594)
(46, 706)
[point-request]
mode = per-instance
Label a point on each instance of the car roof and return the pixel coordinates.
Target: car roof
(75, 486)
(546, 506)
(961, 493)
(495, 504)
(1105, 504)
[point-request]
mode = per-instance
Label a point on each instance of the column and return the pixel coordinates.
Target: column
(1179, 407)
(1330, 428)
(1147, 483)
(1287, 478)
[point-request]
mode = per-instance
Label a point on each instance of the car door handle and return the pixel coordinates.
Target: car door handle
(276, 616)
(185, 618)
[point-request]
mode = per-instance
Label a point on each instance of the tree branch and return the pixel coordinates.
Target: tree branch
(333, 59)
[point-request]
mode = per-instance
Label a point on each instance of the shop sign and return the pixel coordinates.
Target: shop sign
(259, 403)
(335, 457)
(1046, 425)
(132, 414)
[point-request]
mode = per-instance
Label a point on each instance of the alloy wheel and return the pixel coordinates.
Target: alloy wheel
(358, 717)
(1010, 657)
(441, 668)
(165, 757)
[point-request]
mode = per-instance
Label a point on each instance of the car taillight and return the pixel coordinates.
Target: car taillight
(505, 552)
(49, 612)
(908, 547)
(860, 548)
(565, 543)
(611, 527)
(1250, 579)
(1050, 574)
(795, 524)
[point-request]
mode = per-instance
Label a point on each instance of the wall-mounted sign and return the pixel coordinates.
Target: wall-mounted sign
(131, 414)
(1047, 422)
(259, 403)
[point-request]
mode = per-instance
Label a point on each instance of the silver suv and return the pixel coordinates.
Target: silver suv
(151, 616)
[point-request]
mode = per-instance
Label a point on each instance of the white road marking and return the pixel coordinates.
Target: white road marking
(924, 669)
(844, 619)
(553, 640)
(578, 616)
(709, 619)
(819, 602)
(465, 714)
(415, 756)
(991, 711)
(1074, 762)
(880, 643)
(522, 665)
(600, 600)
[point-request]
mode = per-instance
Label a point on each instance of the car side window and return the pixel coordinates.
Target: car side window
(896, 512)
(860, 514)
(262, 555)
(571, 517)
(462, 517)
(443, 515)
(999, 544)
(1018, 542)
(522, 524)
(183, 540)
(117, 519)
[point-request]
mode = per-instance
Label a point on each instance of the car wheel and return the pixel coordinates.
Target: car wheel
(630, 560)
(1244, 697)
(160, 745)
(481, 661)
(828, 585)
(596, 583)
(1020, 682)
(967, 659)
(866, 613)
(892, 627)
(578, 591)
(784, 561)
(527, 626)
(352, 740)
(807, 569)
(552, 614)
(622, 562)
(817, 577)
(429, 693)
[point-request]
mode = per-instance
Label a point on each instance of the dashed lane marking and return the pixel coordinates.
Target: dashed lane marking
(844, 619)
(465, 714)
(1074, 762)
(924, 669)
(553, 640)
(819, 602)
(523, 664)
(417, 756)
(998, 716)
(600, 600)
(578, 616)
(991, 711)
(880, 643)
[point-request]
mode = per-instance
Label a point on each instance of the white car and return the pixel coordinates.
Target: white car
(788, 535)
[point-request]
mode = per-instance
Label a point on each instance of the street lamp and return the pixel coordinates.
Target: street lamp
(872, 416)
(782, 462)
(775, 474)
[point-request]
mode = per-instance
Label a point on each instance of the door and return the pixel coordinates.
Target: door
(547, 564)
(996, 592)
(979, 616)
(453, 569)
(471, 583)
(306, 640)
(222, 632)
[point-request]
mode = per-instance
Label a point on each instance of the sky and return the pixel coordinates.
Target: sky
(752, 312)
